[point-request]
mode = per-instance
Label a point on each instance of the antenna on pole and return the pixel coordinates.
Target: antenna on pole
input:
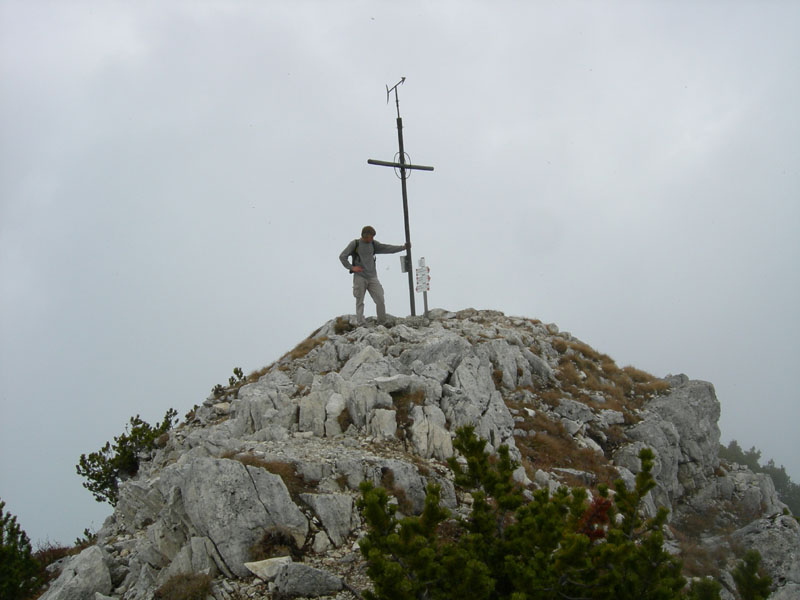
(404, 169)
(396, 99)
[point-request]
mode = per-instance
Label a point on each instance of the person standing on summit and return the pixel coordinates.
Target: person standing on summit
(359, 258)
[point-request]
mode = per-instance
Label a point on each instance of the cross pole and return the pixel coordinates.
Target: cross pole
(403, 166)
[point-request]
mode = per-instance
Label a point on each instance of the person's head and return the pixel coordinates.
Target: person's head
(367, 233)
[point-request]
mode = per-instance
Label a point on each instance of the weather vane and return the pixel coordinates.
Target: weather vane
(403, 166)
(394, 89)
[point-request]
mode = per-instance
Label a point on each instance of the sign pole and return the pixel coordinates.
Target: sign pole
(403, 166)
(424, 281)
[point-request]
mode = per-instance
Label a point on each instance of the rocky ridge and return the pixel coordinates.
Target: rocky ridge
(257, 488)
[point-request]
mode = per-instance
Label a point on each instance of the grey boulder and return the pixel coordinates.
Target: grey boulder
(82, 577)
(297, 579)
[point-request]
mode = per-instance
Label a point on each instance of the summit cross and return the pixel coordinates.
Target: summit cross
(403, 166)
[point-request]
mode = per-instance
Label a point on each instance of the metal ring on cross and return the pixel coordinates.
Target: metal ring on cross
(397, 170)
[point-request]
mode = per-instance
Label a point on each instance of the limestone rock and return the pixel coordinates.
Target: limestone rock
(312, 413)
(429, 433)
(382, 404)
(575, 411)
(268, 569)
(82, 577)
(297, 579)
(776, 539)
(336, 512)
(368, 364)
(233, 505)
(382, 423)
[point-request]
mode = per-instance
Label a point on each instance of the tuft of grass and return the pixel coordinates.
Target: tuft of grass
(344, 420)
(587, 351)
(258, 374)
(387, 482)
(287, 471)
(700, 561)
(341, 326)
(568, 373)
(185, 586)
(276, 541)
(294, 481)
(497, 377)
(48, 552)
(404, 402)
(306, 346)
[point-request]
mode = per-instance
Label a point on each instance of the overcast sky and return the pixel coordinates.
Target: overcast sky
(177, 180)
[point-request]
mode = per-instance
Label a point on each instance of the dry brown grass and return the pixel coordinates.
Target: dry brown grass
(275, 542)
(404, 402)
(584, 372)
(185, 586)
(568, 373)
(497, 377)
(387, 482)
(587, 351)
(287, 471)
(342, 326)
(47, 553)
(344, 420)
(306, 346)
(553, 447)
(550, 397)
(258, 374)
(700, 561)
(295, 482)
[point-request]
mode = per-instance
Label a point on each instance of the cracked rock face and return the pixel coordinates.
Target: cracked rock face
(282, 457)
(232, 504)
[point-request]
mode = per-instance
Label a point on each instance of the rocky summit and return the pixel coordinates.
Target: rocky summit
(256, 490)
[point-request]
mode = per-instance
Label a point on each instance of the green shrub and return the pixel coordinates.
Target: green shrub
(235, 382)
(514, 548)
(749, 584)
(19, 570)
(104, 469)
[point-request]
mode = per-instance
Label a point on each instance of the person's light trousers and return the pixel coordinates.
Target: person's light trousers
(362, 285)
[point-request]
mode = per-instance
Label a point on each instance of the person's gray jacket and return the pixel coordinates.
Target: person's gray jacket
(365, 257)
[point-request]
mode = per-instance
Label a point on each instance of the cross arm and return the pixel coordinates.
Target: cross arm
(384, 163)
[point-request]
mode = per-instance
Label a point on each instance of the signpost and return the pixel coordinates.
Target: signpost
(403, 166)
(424, 281)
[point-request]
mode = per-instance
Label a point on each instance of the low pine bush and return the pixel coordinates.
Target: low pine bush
(104, 469)
(550, 547)
(19, 570)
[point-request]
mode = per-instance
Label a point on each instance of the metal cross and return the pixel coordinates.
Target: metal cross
(403, 166)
